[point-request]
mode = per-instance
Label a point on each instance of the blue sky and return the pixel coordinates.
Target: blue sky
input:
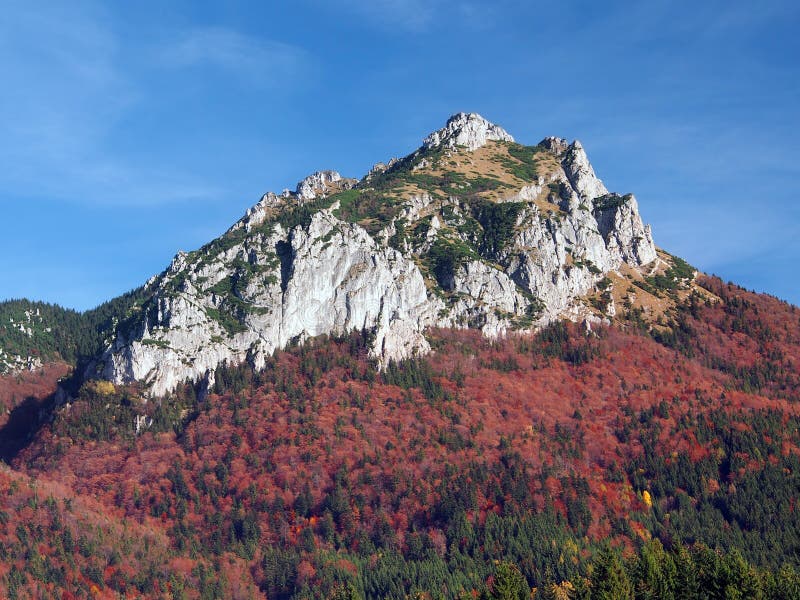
(131, 130)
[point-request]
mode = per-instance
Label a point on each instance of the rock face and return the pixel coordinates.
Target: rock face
(328, 276)
(391, 256)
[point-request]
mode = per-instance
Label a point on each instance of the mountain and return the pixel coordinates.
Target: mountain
(468, 374)
(471, 230)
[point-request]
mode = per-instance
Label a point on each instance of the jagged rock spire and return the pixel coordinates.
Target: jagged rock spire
(576, 166)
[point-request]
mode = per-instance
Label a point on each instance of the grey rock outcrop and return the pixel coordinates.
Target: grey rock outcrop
(325, 277)
(273, 278)
(618, 221)
(320, 184)
(469, 130)
(379, 168)
(577, 167)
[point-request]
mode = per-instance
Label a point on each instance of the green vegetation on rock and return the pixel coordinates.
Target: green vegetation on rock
(446, 256)
(497, 222)
(675, 277)
(526, 165)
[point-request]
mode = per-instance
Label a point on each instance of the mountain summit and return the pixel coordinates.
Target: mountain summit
(472, 230)
(469, 130)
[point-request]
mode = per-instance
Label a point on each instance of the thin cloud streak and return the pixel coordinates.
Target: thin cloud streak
(260, 61)
(61, 95)
(419, 16)
(410, 15)
(64, 99)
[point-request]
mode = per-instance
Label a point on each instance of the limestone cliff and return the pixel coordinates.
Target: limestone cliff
(471, 230)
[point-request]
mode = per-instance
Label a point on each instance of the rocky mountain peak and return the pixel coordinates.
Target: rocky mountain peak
(581, 174)
(321, 183)
(466, 129)
(556, 145)
(502, 237)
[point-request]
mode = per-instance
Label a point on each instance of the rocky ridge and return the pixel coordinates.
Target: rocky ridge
(471, 230)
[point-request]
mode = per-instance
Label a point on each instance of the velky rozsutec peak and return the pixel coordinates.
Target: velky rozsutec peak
(471, 230)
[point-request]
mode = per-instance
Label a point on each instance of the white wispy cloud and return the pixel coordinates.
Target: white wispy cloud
(70, 84)
(420, 16)
(414, 15)
(61, 86)
(260, 61)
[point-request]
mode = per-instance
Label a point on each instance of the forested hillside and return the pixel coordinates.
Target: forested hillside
(37, 332)
(638, 460)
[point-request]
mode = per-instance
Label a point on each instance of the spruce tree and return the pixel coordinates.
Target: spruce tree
(609, 579)
(509, 583)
